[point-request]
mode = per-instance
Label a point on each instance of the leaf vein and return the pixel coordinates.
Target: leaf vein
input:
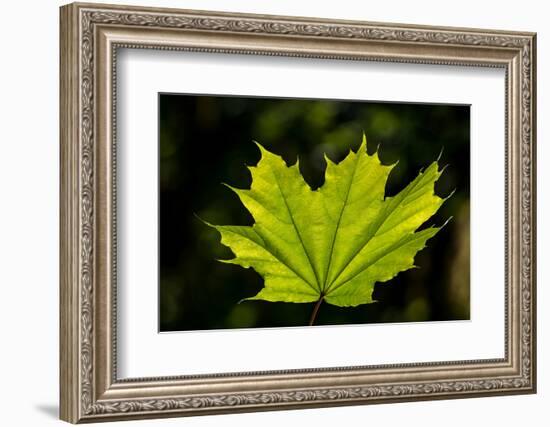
(384, 219)
(296, 229)
(385, 253)
(274, 256)
(337, 227)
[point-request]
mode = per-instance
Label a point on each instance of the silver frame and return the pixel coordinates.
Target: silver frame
(90, 37)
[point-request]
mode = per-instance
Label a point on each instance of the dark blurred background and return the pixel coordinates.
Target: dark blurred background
(207, 140)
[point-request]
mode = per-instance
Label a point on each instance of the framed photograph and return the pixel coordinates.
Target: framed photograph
(266, 212)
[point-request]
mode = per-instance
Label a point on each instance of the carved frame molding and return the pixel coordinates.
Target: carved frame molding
(90, 37)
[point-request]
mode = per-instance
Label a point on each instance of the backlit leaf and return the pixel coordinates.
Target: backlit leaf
(336, 242)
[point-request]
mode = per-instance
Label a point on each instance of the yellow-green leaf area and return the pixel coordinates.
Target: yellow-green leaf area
(336, 242)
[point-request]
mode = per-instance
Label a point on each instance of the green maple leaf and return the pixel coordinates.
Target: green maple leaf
(336, 242)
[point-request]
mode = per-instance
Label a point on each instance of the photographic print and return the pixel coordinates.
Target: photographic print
(346, 208)
(279, 212)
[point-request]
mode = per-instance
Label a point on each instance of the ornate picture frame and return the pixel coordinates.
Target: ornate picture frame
(90, 37)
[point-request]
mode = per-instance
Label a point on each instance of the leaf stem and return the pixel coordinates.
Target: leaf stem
(316, 310)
